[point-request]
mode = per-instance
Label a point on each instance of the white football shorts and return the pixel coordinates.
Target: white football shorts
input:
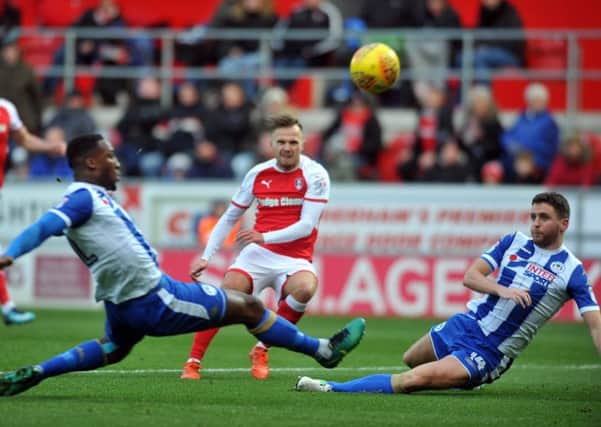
(267, 269)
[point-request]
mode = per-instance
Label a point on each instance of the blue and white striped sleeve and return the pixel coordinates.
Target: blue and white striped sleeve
(76, 208)
(581, 291)
(494, 255)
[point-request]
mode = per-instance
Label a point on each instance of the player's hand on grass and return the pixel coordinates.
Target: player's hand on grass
(197, 266)
(249, 236)
(5, 261)
(519, 296)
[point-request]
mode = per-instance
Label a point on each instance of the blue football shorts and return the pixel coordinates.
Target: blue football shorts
(171, 308)
(461, 337)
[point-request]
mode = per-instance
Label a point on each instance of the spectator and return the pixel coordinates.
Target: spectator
(535, 131)
(207, 223)
(274, 100)
(104, 51)
(73, 117)
(261, 152)
(573, 165)
(429, 59)
(44, 166)
(186, 121)
(208, 162)
(492, 173)
(452, 165)
(352, 142)
(139, 151)
(480, 135)
(177, 167)
(525, 170)
(19, 85)
(230, 125)
(10, 19)
(435, 127)
(387, 14)
(501, 52)
(243, 55)
(318, 15)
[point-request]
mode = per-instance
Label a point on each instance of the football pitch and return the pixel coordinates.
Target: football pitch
(555, 382)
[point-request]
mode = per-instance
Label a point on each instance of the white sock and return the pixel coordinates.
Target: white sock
(7, 307)
(192, 359)
(324, 349)
(261, 345)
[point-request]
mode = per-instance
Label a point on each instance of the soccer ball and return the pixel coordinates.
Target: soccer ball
(375, 67)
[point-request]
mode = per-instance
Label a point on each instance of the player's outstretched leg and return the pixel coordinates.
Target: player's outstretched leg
(200, 344)
(379, 383)
(277, 331)
(273, 330)
(18, 381)
(83, 357)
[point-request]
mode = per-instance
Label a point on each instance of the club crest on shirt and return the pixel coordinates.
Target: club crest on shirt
(557, 267)
(298, 184)
(539, 275)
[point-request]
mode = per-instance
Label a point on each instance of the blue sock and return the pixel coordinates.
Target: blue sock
(277, 331)
(378, 383)
(84, 357)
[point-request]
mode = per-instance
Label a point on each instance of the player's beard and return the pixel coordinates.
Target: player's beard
(545, 240)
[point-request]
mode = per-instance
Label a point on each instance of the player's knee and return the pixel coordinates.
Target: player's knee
(410, 359)
(254, 308)
(114, 353)
(304, 292)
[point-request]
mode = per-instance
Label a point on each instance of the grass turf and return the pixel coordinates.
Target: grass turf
(556, 382)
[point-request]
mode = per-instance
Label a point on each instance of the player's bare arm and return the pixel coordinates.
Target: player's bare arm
(197, 267)
(37, 145)
(593, 321)
(5, 261)
(476, 278)
(218, 235)
(246, 237)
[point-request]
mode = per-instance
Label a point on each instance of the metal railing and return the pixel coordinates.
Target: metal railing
(69, 70)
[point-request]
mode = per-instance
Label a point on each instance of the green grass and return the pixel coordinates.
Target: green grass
(556, 382)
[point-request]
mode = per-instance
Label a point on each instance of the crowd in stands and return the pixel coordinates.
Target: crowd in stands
(216, 129)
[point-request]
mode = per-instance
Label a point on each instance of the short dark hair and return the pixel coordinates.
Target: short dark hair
(282, 121)
(80, 146)
(558, 201)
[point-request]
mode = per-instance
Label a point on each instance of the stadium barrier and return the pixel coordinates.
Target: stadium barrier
(390, 250)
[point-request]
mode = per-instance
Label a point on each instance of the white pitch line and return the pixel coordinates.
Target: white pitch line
(314, 369)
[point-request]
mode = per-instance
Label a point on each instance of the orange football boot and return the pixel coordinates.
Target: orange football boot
(191, 370)
(260, 362)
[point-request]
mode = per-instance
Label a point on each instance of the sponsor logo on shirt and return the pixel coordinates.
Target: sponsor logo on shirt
(539, 275)
(266, 183)
(273, 202)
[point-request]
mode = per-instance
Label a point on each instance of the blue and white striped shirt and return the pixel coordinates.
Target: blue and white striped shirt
(103, 235)
(551, 277)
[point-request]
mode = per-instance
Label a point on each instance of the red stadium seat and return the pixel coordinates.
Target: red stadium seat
(301, 92)
(547, 54)
(594, 141)
(389, 158)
